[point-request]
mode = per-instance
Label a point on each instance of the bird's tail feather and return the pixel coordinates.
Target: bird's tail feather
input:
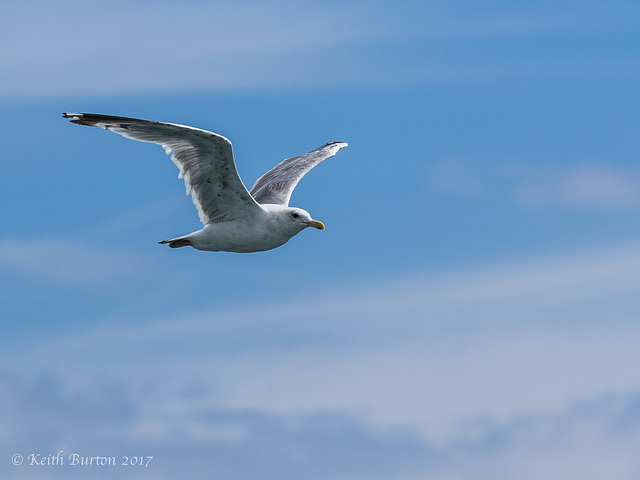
(177, 242)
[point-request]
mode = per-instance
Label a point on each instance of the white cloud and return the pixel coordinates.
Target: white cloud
(135, 47)
(475, 372)
(121, 47)
(424, 352)
(63, 260)
(584, 186)
(592, 439)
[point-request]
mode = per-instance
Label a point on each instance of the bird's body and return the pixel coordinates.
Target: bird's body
(235, 220)
(248, 234)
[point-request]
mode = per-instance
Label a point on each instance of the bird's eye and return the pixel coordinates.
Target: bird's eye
(295, 215)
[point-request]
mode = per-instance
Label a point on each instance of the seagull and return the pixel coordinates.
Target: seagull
(235, 219)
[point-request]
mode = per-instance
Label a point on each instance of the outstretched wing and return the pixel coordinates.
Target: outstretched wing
(205, 161)
(276, 185)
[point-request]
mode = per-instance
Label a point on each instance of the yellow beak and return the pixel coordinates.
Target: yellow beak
(316, 224)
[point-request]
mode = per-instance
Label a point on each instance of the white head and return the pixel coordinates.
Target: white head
(295, 219)
(302, 217)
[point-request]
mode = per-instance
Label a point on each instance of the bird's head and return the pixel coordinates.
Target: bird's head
(302, 218)
(292, 219)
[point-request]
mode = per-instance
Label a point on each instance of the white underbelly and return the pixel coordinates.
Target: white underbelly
(236, 237)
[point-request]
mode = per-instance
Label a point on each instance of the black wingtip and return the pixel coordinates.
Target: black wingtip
(344, 144)
(74, 117)
(89, 119)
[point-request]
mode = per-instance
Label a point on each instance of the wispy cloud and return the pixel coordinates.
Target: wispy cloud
(126, 47)
(423, 351)
(593, 438)
(61, 260)
(122, 47)
(584, 186)
(463, 373)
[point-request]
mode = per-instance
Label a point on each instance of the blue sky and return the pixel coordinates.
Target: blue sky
(470, 312)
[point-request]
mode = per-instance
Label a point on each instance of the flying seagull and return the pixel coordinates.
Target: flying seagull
(235, 219)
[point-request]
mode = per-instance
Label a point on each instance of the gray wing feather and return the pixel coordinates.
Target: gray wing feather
(277, 184)
(205, 161)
